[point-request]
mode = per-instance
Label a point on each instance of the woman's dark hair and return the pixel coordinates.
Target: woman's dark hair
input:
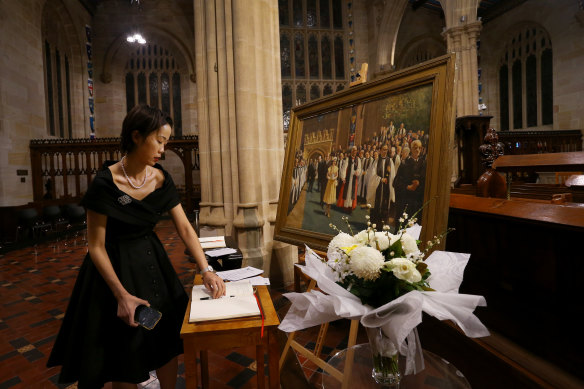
(144, 119)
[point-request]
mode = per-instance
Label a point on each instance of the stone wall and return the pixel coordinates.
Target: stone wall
(22, 87)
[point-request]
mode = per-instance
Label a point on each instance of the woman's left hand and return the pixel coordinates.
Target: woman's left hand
(214, 284)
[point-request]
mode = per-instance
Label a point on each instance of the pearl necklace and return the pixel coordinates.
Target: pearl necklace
(128, 178)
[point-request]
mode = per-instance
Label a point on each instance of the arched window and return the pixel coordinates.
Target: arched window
(57, 81)
(312, 49)
(420, 51)
(526, 80)
(153, 78)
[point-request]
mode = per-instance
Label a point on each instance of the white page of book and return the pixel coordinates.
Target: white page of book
(239, 301)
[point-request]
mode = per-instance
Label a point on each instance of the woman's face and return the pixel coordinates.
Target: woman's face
(150, 149)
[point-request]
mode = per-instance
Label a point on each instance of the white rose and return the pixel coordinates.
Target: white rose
(409, 244)
(366, 262)
(404, 269)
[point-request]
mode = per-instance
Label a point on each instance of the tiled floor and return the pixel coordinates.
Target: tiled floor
(35, 284)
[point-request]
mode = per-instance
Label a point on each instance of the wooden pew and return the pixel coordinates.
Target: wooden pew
(526, 260)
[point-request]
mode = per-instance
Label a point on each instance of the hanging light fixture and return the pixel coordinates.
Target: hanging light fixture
(136, 37)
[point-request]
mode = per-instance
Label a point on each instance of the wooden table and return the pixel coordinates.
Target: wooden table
(230, 333)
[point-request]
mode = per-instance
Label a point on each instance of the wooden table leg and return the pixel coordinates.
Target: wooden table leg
(205, 368)
(190, 360)
(261, 375)
(273, 365)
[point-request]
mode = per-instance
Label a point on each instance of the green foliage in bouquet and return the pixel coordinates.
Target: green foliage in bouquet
(378, 266)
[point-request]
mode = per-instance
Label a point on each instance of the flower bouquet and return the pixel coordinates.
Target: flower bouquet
(386, 280)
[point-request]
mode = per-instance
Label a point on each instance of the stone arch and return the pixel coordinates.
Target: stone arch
(57, 10)
(393, 13)
(314, 150)
(420, 49)
(160, 35)
(58, 23)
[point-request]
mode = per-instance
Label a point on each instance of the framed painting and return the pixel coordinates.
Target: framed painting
(373, 153)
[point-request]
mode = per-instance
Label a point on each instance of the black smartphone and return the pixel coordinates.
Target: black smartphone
(147, 316)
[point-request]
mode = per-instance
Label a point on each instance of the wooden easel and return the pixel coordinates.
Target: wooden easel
(343, 377)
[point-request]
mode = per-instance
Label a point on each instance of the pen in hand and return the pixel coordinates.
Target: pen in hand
(208, 298)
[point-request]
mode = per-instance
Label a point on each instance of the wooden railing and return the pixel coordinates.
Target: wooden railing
(63, 168)
(538, 142)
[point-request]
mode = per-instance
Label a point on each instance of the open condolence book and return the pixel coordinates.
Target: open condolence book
(238, 301)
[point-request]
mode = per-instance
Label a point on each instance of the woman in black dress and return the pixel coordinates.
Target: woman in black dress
(127, 266)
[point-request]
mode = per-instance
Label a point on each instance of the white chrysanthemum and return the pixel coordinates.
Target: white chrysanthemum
(341, 240)
(404, 269)
(380, 240)
(409, 244)
(366, 262)
(364, 237)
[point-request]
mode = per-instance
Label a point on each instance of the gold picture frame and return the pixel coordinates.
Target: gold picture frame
(414, 105)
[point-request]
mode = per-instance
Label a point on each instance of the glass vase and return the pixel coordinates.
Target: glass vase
(385, 358)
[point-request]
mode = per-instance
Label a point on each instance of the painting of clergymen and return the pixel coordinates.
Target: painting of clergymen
(368, 159)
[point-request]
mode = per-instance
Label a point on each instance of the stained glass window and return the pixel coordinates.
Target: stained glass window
(68, 102)
(312, 50)
(286, 65)
(325, 19)
(283, 12)
(531, 90)
(129, 91)
(311, 13)
(547, 86)
(158, 84)
(299, 55)
(154, 89)
(325, 45)
(339, 59)
(165, 92)
(286, 105)
(314, 92)
(337, 14)
(517, 95)
(142, 89)
(301, 93)
(313, 56)
(59, 94)
(526, 81)
(297, 10)
(504, 97)
(50, 88)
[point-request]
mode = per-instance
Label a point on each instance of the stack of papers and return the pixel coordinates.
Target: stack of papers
(251, 273)
(212, 242)
(220, 252)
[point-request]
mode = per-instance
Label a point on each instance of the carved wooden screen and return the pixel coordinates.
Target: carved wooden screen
(63, 168)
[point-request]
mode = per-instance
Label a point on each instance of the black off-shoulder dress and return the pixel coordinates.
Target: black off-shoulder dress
(94, 346)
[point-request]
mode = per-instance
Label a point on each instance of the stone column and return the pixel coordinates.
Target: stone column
(461, 34)
(240, 121)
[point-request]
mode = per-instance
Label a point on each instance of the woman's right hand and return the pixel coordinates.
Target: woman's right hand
(127, 307)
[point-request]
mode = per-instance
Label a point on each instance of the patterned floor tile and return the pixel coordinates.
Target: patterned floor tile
(36, 282)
